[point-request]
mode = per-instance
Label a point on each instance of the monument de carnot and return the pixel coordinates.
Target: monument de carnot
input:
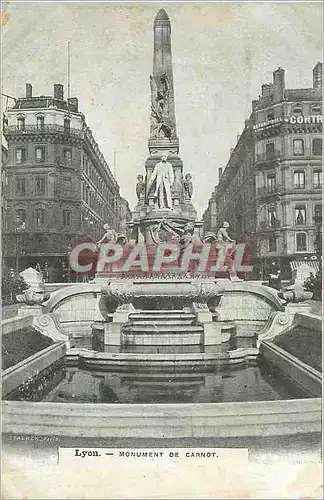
(164, 205)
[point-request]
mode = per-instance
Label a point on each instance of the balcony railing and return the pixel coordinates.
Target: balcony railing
(45, 129)
(265, 224)
(270, 190)
(267, 157)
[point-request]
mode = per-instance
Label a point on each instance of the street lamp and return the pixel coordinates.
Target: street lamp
(318, 248)
(318, 237)
(20, 226)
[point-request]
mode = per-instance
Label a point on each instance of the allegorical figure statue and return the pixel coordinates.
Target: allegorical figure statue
(140, 188)
(188, 187)
(110, 235)
(222, 235)
(222, 241)
(162, 178)
(160, 114)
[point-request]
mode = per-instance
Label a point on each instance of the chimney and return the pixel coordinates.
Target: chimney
(278, 84)
(231, 150)
(265, 90)
(58, 91)
(73, 103)
(317, 76)
(220, 171)
(29, 90)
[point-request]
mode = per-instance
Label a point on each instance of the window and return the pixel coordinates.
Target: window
(21, 123)
(317, 178)
(20, 155)
(270, 115)
(271, 182)
(272, 217)
(67, 186)
(318, 212)
(40, 186)
(40, 217)
(21, 216)
(272, 243)
(66, 218)
(40, 120)
(300, 215)
(317, 147)
(270, 151)
(316, 110)
(67, 123)
(299, 179)
(67, 156)
(20, 186)
(40, 153)
(301, 242)
(298, 110)
(298, 147)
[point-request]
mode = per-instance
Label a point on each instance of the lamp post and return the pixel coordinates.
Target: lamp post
(318, 249)
(20, 226)
(69, 250)
(318, 237)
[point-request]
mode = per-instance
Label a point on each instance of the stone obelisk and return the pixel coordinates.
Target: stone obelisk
(163, 136)
(164, 206)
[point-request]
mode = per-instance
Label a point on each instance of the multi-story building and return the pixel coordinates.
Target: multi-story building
(210, 215)
(60, 190)
(272, 184)
(4, 182)
(235, 200)
(288, 170)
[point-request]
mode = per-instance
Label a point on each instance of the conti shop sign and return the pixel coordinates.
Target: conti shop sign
(293, 120)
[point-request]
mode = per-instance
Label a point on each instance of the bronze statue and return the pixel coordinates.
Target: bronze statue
(188, 187)
(140, 187)
(160, 116)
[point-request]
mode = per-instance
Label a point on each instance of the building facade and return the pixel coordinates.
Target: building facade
(4, 182)
(235, 200)
(271, 187)
(60, 190)
(210, 214)
(288, 171)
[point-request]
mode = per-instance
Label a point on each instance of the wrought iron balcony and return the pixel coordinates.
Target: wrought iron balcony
(268, 157)
(270, 190)
(45, 129)
(265, 224)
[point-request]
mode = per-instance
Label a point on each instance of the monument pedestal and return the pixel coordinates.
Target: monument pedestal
(112, 330)
(212, 330)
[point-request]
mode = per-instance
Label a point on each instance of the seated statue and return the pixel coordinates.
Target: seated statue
(222, 235)
(110, 236)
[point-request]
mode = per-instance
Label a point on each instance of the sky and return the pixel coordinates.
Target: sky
(222, 54)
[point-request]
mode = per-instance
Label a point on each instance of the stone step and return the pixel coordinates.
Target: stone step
(161, 311)
(159, 322)
(168, 329)
(161, 316)
(161, 339)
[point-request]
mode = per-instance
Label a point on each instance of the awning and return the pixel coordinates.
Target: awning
(294, 264)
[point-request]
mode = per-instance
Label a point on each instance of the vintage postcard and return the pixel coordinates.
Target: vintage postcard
(161, 209)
